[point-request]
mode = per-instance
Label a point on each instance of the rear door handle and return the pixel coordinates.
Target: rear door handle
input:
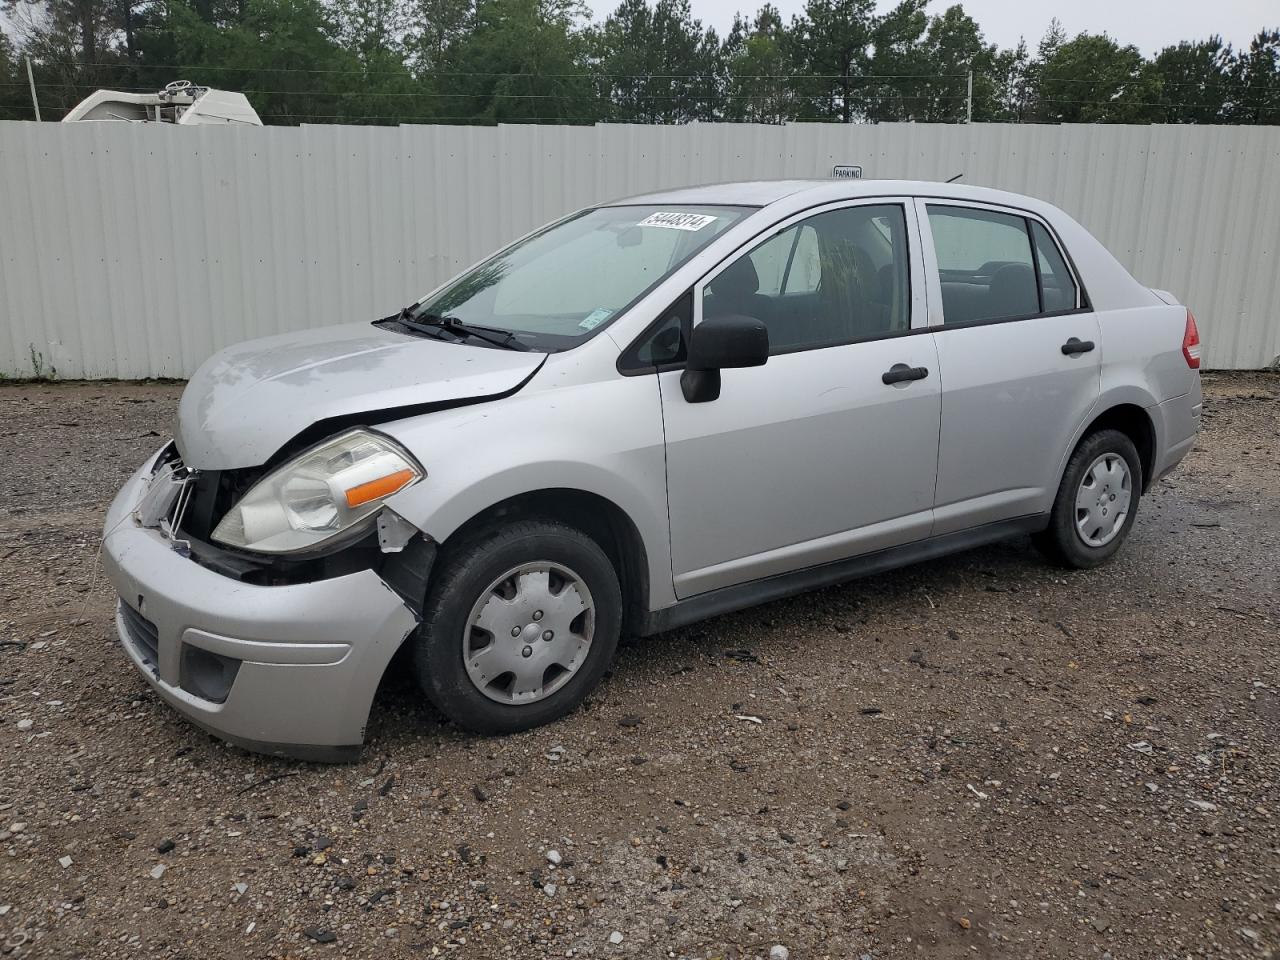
(1075, 345)
(900, 373)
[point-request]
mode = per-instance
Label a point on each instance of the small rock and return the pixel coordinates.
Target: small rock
(241, 888)
(64, 862)
(1204, 805)
(554, 858)
(616, 937)
(320, 935)
(478, 793)
(4, 908)
(17, 827)
(165, 846)
(631, 720)
(26, 723)
(779, 952)
(158, 871)
(549, 889)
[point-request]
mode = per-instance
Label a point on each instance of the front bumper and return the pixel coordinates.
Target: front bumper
(305, 659)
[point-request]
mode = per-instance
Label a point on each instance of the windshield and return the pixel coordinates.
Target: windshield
(552, 290)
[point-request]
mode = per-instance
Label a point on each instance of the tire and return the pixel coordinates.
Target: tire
(1064, 541)
(457, 661)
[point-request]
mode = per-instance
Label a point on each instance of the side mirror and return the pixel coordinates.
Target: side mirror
(720, 343)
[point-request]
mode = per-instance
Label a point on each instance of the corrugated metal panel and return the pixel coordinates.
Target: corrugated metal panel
(133, 251)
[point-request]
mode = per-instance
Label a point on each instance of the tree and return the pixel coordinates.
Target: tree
(657, 64)
(523, 60)
(832, 39)
(285, 55)
(649, 61)
(1194, 82)
(1003, 92)
(953, 47)
(370, 29)
(434, 26)
(756, 63)
(1255, 81)
(11, 107)
(1092, 79)
(899, 63)
(75, 45)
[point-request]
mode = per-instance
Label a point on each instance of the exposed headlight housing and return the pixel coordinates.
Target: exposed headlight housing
(331, 489)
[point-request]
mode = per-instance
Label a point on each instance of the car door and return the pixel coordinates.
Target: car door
(1020, 359)
(812, 457)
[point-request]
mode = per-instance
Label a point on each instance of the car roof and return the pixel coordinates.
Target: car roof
(761, 193)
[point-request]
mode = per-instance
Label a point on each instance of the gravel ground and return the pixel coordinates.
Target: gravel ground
(980, 755)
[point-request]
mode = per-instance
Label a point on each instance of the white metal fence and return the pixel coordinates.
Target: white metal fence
(136, 251)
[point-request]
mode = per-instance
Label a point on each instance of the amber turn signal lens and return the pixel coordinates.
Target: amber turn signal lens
(376, 489)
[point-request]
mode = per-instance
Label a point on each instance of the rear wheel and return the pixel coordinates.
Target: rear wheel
(1096, 503)
(519, 625)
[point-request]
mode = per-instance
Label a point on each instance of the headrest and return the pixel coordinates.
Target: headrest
(1014, 276)
(739, 279)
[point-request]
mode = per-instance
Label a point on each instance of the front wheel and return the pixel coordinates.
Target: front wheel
(1096, 503)
(519, 625)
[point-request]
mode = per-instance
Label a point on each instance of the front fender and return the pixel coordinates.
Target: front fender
(602, 438)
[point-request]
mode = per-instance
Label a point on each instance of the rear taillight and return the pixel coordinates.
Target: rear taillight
(1191, 343)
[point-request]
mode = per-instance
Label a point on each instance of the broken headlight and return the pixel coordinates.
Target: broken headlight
(330, 489)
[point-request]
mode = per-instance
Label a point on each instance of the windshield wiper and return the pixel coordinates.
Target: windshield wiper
(433, 321)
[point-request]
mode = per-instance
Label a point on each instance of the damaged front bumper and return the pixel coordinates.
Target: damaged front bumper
(288, 670)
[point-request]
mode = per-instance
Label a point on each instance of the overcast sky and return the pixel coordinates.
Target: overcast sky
(1150, 25)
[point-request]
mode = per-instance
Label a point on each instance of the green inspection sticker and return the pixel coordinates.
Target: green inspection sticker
(596, 317)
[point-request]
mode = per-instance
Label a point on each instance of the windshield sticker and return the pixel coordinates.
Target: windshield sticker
(677, 221)
(596, 317)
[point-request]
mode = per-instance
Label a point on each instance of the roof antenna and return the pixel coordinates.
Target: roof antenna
(955, 178)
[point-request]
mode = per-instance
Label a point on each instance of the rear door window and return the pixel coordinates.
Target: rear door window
(984, 264)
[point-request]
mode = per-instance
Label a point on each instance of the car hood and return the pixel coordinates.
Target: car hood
(247, 401)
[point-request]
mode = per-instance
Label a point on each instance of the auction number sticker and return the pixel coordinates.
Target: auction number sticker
(677, 221)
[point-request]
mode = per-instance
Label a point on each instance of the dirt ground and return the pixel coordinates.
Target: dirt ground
(981, 755)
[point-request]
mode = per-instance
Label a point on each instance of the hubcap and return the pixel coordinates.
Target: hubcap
(1102, 502)
(528, 633)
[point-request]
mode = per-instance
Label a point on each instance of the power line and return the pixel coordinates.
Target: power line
(586, 74)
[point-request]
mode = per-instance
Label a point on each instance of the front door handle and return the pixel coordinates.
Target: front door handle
(1076, 346)
(901, 373)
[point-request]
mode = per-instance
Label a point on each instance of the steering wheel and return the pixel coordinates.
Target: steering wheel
(177, 86)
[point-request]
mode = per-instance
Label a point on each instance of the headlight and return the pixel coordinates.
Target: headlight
(325, 491)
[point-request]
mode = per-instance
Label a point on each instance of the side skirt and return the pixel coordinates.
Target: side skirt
(743, 595)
